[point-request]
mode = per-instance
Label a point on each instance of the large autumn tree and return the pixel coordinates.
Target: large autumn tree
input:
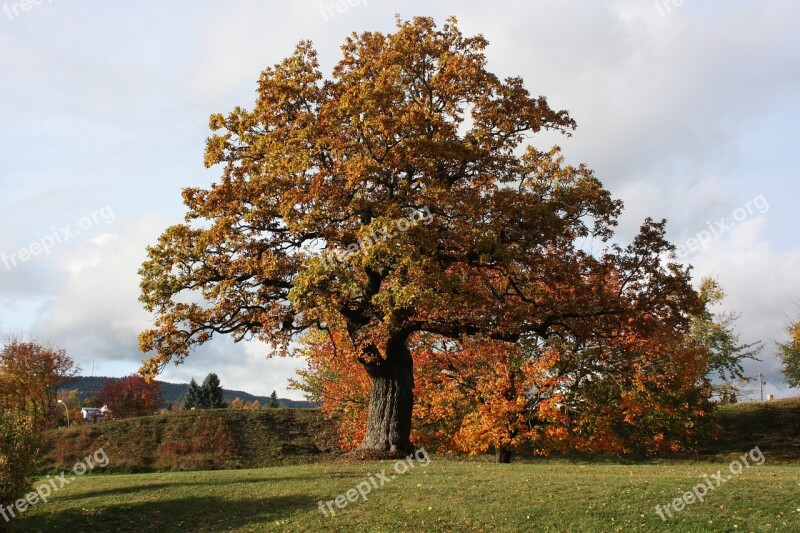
(515, 247)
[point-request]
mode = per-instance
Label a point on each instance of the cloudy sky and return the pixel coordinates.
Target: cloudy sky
(686, 112)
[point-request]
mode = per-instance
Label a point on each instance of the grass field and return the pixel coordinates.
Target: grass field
(445, 495)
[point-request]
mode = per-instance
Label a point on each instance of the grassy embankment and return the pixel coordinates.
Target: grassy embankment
(195, 440)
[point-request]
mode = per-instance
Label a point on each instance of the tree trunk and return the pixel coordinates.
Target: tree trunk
(503, 454)
(391, 402)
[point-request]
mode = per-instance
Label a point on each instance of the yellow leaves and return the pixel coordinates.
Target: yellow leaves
(216, 122)
(794, 331)
(319, 166)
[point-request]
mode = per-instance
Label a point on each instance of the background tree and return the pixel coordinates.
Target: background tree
(19, 449)
(131, 396)
(255, 405)
(732, 390)
(638, 390)
(193, 396)
(273, 400)
(72, 399)
(789, 353)
(31, 374)
(211, 393)
(475, 396)
(714, 331)
(237, 403)
(414, 140)
(92, 401)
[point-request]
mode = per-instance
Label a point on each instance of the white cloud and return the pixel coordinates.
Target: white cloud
(96, 313)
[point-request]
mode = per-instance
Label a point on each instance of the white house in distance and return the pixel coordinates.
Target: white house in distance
(94, 414)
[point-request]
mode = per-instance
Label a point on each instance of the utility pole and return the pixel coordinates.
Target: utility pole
(66, 410)
(761, 385)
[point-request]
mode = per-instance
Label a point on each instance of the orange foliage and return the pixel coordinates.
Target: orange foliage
(544, 343)
(131, 396)
(339, 384)
(30, 375)
(639, 390)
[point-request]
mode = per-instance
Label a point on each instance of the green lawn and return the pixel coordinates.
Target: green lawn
(444, 496)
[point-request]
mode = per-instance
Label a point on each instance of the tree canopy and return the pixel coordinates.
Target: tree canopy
(515, 246)
(193, 398)
(206, 396)
(714, 330)
(211, 396)
(31, 373)
(131, 396)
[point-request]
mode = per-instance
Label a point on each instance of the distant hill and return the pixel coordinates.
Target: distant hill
(88, 387)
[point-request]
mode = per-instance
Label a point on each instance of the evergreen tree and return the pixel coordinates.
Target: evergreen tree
(193, 394)
(212, 393)
(273, 400)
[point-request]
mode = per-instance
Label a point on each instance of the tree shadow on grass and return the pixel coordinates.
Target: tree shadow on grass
(177, 514)
(155, 486)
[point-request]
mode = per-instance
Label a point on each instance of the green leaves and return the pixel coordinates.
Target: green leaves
(715, 333)
(18, 454)
(789, 353)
